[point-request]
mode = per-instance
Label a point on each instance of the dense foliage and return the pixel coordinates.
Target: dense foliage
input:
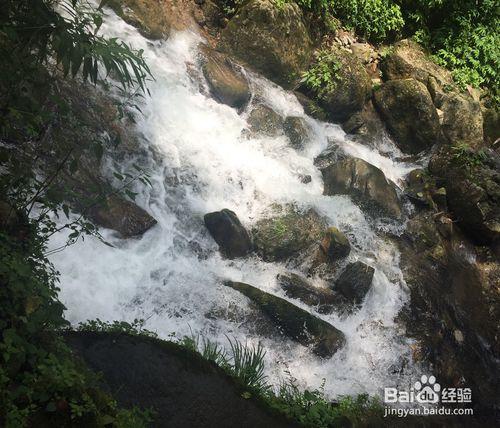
(43, 43)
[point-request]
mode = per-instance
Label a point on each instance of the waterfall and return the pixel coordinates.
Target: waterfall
(171, 276)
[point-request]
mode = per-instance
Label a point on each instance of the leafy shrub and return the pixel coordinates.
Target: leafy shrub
(322, 76)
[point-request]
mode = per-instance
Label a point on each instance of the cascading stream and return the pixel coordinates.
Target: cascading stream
(171, 276)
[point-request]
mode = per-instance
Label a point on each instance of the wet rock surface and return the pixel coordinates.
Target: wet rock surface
(365, 183)
(226, 81)
(297, 287)
(286, 234)
(354, 282)
(294, 322)
(183, 389)
(121, 215)
(297, 131)
(231, 236)
(263, 120)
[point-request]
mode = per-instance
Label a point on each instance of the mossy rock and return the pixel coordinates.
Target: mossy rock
(409, 113)
(462, 120)
(296, 287)
(354, 282)
(294, 322)
(350, 90)
(270, 38)
(285, 235)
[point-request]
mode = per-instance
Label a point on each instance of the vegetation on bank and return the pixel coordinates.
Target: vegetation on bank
(43, 44)
(460, 35)
(245, 364)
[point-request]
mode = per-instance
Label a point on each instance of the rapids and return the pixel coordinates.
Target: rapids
(171, 276)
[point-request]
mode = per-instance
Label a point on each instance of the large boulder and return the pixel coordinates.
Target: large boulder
(366, 126)
(154, 19)
(294, 322)
(406, 59)
(297, 287)
(408, 110)
(265, 121)
(287, 234)
(231, 236)
(226, 81)
(350, 88)
(462, 120)
(297, 131)
(121, 215)
(365, 183)
(271, 38)
(354, 282)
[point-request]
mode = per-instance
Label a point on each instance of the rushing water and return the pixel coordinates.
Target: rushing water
(171, 276)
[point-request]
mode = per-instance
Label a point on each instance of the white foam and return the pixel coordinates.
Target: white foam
(160, 277)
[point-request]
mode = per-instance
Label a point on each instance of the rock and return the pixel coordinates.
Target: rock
(270, 38)
(462, 120)
(366, 126)
(349, 91)
(362, 51)
(154, 19)
(449, 293)
(121, 215)
(226, 229)
(406, 59)
(408, 110)
(297, 131)
(285, 235)
(472, 183)
(354, 282)
(297, 287)
(265, 121)
(227, 83)
(294, 322)
(310, 106)
(335, 244)
(365, 183)
(491, 125)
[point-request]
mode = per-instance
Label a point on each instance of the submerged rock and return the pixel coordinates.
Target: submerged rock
(297, 131)
(270, 38)
(408, 110)
(121, 215)
(354, 282)
(294, 322)
(227, 230)
(286, 235)
(227, 83)
(265, 121)
(297, 287)
(365, 183)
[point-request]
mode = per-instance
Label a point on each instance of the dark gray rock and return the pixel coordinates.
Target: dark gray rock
(297, 131)
(354, 282)
(227, 230)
